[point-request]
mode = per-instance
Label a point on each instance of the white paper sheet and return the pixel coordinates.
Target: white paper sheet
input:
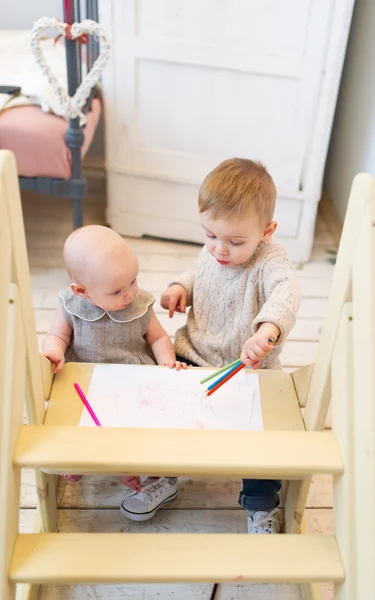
(150, 397)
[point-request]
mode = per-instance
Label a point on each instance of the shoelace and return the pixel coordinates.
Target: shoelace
(264, 521)
(153, 485)
(153, 489)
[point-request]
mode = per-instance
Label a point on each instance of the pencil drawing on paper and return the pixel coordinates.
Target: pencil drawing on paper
(157, 399)
(127, 396)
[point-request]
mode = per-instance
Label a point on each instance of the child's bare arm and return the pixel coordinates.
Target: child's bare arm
(161, 344)
(57, 340)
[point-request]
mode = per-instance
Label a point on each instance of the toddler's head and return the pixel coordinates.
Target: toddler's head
(102, 267)
(236, 205)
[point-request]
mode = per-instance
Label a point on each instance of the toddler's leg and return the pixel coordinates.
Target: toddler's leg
(261, 500)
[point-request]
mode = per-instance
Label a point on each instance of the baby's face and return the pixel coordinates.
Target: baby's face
(117, 288)
(233, 241)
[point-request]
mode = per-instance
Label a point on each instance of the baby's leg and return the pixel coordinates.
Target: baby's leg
(155, 493)
(73, 478)
(132, 482)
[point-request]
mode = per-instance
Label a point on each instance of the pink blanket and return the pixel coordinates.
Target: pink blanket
(38, 140)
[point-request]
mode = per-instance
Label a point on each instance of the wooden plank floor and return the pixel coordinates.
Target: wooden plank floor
(202, 505)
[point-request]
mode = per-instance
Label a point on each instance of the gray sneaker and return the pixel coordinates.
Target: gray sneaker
(263, 521)
(155, 493)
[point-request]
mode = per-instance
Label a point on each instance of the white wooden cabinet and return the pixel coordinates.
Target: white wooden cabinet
(193, 82)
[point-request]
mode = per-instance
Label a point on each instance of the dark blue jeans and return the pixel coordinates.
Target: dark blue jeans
(260, 494)
(257, 494)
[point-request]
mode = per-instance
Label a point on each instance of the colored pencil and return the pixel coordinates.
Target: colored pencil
(231, 374)
(220, 370)
(215, 383)
(86, 403)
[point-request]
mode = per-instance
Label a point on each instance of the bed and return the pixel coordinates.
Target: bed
(49, 146)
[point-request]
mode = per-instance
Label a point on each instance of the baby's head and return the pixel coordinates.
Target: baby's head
(236, 205)
(102, 266)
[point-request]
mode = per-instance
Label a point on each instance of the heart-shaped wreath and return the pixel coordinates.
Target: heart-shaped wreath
(72, 107)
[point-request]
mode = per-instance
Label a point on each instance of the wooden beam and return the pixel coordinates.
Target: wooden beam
(264, 454)
(110, 558)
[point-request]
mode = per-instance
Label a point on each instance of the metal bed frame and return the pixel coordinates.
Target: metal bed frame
(75, 187)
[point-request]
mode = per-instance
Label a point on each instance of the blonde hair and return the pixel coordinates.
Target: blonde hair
(237, 186)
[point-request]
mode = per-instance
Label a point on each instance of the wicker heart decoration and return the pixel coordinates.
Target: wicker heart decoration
(72, 107)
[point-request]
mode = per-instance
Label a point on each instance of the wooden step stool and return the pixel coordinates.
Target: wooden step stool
(292, 447)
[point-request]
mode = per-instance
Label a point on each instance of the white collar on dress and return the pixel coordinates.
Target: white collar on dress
(83, 309)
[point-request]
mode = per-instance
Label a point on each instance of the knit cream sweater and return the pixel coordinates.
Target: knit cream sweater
(228, 304)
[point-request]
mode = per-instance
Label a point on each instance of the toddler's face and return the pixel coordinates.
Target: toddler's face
(233, 241)
(117, 289)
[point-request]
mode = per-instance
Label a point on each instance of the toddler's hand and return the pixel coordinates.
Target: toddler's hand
(174, 298)
(132, 482)
(176, 364)
(258, 346)
(56, 356)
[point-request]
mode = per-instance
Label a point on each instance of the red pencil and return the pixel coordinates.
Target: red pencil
(229, 376)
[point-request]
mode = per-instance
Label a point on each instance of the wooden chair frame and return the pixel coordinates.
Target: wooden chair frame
(343, 372)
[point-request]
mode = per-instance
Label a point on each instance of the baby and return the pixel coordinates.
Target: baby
(244, 296)
(103, 317)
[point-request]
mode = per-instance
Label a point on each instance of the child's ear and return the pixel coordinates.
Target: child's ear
(79, 290)
(269, 231)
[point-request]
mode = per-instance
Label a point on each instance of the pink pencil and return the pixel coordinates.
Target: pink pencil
(85, 402)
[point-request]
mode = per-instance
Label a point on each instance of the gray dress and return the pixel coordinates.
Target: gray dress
(108, 337)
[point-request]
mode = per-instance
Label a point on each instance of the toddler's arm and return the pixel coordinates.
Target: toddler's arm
(277, 316)
(281, 291)
(57, 340)
(179, 294)
(161, 344)
(259, 345)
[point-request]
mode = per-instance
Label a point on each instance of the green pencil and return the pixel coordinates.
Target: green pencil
(220, 371)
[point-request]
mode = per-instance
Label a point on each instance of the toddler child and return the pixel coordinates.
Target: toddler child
(103, 317)
(244, 296)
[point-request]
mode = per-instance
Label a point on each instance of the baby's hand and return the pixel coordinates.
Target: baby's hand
(134, 483)
(56, 356)
(174, 298)
(259, 346)
(176, 364)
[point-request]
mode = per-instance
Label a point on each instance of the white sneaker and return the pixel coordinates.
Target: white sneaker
(263, 521)
(155, 494)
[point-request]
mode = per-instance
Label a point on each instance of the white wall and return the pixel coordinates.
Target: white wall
(21, 14)
(352, 147)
